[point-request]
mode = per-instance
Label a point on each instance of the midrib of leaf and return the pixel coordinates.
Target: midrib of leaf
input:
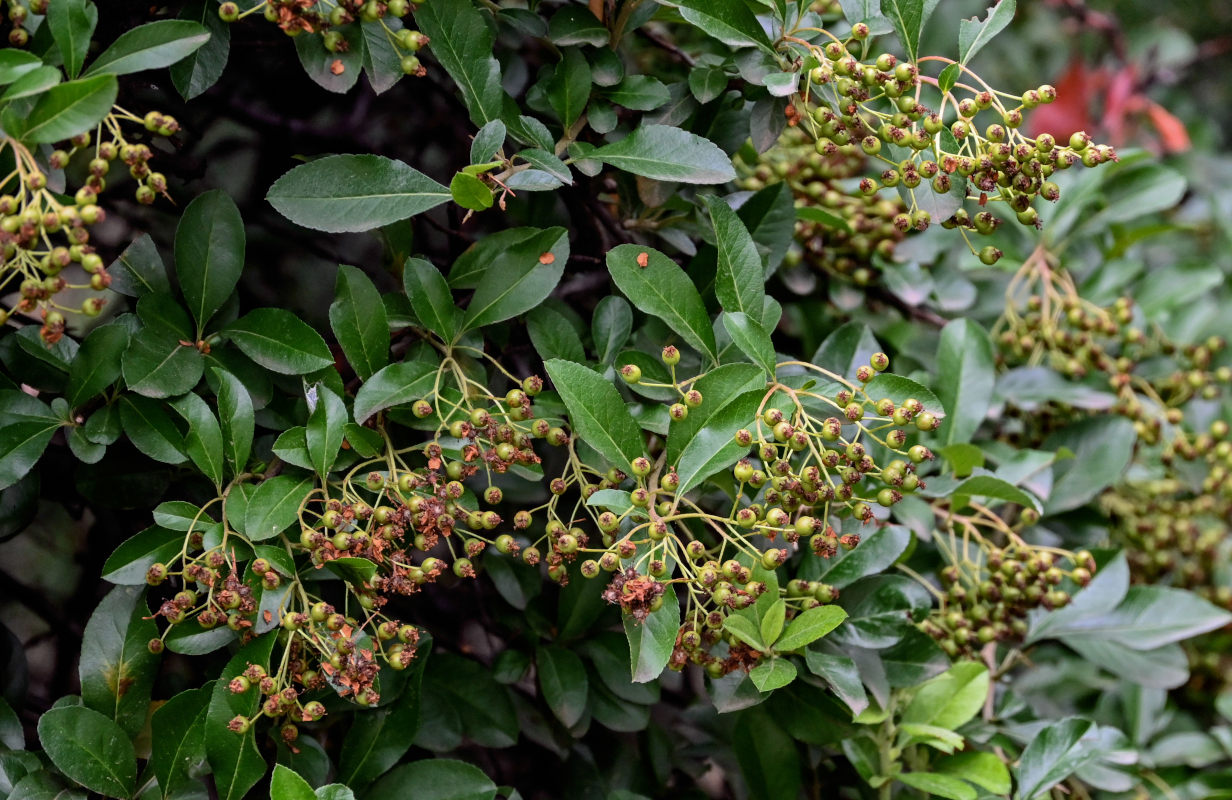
(55, 117)
(378, 196)
(133, 54)
(470, 318)
(671, 308)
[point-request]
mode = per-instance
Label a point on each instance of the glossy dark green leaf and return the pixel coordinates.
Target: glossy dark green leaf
(324, 433)
(90, 749)
(720, 387)
(809, 626)
(769, 761)
(139, 270)
(878, 548)
(915, 659)
(908, 18)
(528, 274)
(545, 161)
(236, 417)
(846, 349)
(841, 673)
(431, 299)
(378, 738)
(975, 33)
(21, 446)
(665, 153)
(468, 690)
(1102, 448)
(357, 317)
(639, 92)
(563, 682)
(72, 24)
(348, 193)
(394, 385)
(209, 254)
(966, 376)
(234, 760)
(569, 89)
(610, 326)
(382, 58)
(117, 669)
(14, 63)
(203, 441)
(882, 609)
(729, 21)
(597, 412)
(151, 430)
(202, 68)
(939, 785)
(575, 25)
(714, 447)
(898, 389)
(652, 640)
(32, 82)
(280, 341)
(286, 784)
(274, 506)
(662, 289)
(488, 141)
(462, 42)
(1053, 755)
(707, 83)
(322, 66)
(97, 365)
(773, 674)
(752, 339)
(128, 564)
(554, 336)
(150, 46)
(64, 110)
(740, 277)
(158, 364)
(436, 779)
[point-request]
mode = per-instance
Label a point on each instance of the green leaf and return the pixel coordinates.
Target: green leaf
(1053, 755)
(11, 734)
(948, 77)
(357, 317)
(202, 68)
(882, 610)
(950, 699)
(548, 163)
(151, 430)
(574, 25)
(236, 416)
(382, 59)
(934, 736)
(178, 739)
(597, 412)
(117, 669)
(720, 387)
(209, 253)
(898, 389)
(274, 506)
(908, 18)
(436, 779)
(128, 564)
(940, 785)
(652, 640)
(179, 515)
(488, 141)
(773, 674)
(463, 42)
(639, 92)
(616, 500)
(562, 680)
(470, 192)
(662, 289)
(234, 759)
(772, 621)
(14, 63)
(843, 676)
(988, 486)
(823, 217)
(431, 298)
(966, 376)
(279, 341)
(610, 326)
(157, 365)
(286, 784)
(319, 63)
(527, 276)
(203, 442)
(1147, 618)
(90, 749)
(878, 549)
(139, 270)
(72, 24)
(98, 363)
(568, 91)
(809, 626)
(21, 446)
(324, 434)
(394, 385)
(974, 33)
(63, 111)
(150, 46)
(983, 769)
(378, 738)
(740, 277)
(768, 756)
(714, 447)
(1102, 448)
(667, 154)
(554, 336)
(846, 349)
(350, 193)
(746, 631)
(729, 21)
(752, 339)
(707, 83)
(32, 82)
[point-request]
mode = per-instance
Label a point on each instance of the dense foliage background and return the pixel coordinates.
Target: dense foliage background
(1031, 593)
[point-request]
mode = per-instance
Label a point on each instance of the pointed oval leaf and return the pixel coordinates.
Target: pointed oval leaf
(358, 319)
(597, 412)
(90, 749)
(279, 341)
(150, 46)
(662, 289)
(65, 110)
(394, 385)
(665, 153)
(209, 253)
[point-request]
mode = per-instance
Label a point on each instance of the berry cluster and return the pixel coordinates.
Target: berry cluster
(297, 17)
(31, 214)
(987, 600)
(822, 180)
